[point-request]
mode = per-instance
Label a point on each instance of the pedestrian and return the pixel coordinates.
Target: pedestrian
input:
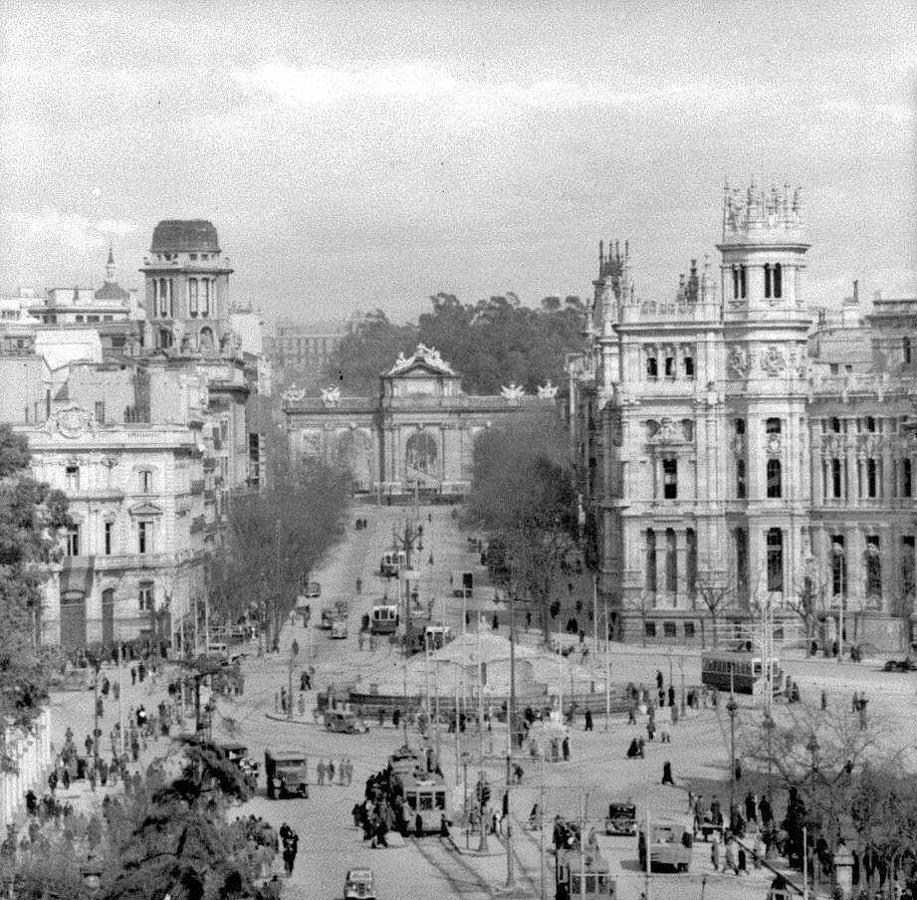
(667, 773)
(738, 769)
(671, 695)
(855, 703)
(133, 675)
(751, 807)
(565, 748)
(320, 771)
(731, 861)
(715, 850)
(659, 679)
(824, 700)
(330, 770)
(495, 623)
(52, 781)
(863, 703)
(588, 726)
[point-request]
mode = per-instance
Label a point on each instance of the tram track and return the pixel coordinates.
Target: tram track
(532, 876)
(443, 855)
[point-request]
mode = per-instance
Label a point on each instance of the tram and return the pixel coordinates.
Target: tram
(582, 875)
(384, 617)
(740, 671)
(426, 802)
(393, 561)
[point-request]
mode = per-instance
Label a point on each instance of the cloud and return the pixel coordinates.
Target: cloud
(71, 229)
(423, 82)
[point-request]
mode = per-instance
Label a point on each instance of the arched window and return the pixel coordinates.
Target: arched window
(205, 340)
(773, 426)
(837, 483)
(650, 561)
(741, 550)
(421, 454)
(774, 559)
(777, 279)
(838, 566)
(192, 297)
(774, 479)
(873, 567)
(205, 305)
(767, 281)
(691, 562)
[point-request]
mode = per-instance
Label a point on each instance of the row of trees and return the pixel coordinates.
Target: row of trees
(32, 517)
(522, 496)
(843, 782)
(491, 343)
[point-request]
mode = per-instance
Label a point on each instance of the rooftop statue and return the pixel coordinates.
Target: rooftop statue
(331, 396)
(512, 392)
(547, 391)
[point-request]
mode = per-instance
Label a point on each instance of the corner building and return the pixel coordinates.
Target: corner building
(693, 422)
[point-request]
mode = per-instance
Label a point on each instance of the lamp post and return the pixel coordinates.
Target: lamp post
(681, 671)
(465, 757)
(731, 708)
(769, 726)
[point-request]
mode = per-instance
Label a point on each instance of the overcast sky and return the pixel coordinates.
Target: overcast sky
(355, 155)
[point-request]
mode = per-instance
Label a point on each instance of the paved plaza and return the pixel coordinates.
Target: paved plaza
(596, 773)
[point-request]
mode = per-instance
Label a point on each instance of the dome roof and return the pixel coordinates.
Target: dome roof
(185, 235)
(111, 291)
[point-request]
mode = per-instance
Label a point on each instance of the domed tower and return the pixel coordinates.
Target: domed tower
(766, 386)
(187, 287)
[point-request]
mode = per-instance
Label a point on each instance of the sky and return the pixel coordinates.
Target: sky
(364, 155)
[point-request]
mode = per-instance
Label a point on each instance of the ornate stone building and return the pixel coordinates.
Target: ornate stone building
(418, 435)
(724, 467)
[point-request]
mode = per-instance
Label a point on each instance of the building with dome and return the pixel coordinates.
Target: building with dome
(187, 287)
(728, 463)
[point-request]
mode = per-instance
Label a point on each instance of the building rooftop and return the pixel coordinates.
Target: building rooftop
(185, 235)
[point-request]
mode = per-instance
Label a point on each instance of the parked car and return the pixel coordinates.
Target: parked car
(621, 819)
(339, 629)
(344, 722)
(907, 664)
(359, 885)
(286, 773)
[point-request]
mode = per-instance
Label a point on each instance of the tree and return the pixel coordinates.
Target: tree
(32, 516)
(368, 351)
(522, 496)
(491, 343)
(716, 596)
(274, 540)
(822, 758)
(178, 842)
(807, 602)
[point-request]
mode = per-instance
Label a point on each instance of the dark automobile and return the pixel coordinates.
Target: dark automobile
(286, 773)
(908, 664)
(621, 819)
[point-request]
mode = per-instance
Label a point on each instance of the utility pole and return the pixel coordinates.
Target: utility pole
(510, 740)
(294, 652)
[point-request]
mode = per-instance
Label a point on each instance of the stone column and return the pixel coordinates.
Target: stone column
(889, 573)
(681, 561)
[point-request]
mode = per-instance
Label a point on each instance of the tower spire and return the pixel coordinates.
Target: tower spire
(110, 265)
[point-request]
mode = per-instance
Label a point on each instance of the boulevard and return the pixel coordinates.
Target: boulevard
(596, 773)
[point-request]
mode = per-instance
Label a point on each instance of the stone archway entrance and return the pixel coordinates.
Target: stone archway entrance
(422, 459)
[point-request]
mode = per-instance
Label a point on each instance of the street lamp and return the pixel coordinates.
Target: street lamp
(466, 756)
(731, 708)
(769, 726)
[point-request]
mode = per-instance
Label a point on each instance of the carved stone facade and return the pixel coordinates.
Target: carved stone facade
(418, 435)
(722, 466)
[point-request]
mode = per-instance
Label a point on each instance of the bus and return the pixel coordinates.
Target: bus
(393, 561)
(426, 802)
(384, 617)
(740, 671)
